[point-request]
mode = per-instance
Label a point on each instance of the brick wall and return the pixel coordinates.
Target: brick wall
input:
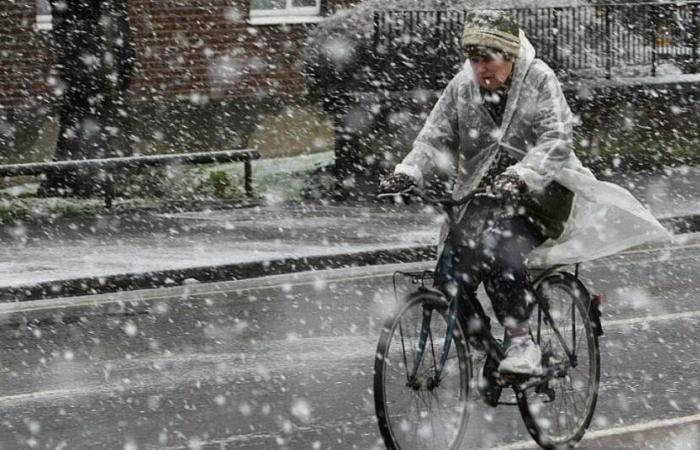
(195, 49)
(23, 60)
(207, 49)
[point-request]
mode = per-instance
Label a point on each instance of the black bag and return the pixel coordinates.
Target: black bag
(548, 210)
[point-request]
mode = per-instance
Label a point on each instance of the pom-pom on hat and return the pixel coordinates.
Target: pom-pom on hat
(494, 29)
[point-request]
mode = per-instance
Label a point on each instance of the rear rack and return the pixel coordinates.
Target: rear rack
(417, 277)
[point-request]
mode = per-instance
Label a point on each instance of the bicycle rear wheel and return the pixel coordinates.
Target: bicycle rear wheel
(558, 412)
(426, 412)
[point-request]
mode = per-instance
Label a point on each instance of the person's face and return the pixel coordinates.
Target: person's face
(491, 69)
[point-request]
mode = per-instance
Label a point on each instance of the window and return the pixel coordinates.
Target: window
(284, 11)
(43, 15)
(260, 8)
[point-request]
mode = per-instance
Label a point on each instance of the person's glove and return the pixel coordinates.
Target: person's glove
(397, 184)
(509, 183)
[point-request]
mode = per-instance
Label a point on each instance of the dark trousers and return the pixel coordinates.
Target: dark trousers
(496, 258)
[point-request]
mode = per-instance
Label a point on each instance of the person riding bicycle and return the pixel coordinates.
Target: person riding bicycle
(503, 125)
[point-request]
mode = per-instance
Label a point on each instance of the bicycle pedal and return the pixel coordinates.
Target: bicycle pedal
(507, 403)
(492, 395)
(514, 378)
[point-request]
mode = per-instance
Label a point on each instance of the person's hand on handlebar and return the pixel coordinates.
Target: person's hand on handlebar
(509, 183)
(397, 186)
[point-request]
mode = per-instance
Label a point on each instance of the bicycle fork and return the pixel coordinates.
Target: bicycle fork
(425, 336)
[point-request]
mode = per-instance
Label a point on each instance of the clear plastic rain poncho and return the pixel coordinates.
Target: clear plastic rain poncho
(459, 138)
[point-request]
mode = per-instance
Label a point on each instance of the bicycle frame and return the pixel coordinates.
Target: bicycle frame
(492, 346)
(544, 309)
(425, 333)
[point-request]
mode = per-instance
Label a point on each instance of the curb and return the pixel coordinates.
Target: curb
(208, 274)
(230, 272)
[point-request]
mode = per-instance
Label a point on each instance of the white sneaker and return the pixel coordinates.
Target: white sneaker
(523, 357)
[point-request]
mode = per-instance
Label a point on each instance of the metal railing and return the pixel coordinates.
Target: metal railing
(105, 167)
(422, 47)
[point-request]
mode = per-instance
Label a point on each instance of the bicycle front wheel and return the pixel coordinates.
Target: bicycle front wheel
(558, 411)
(421, 404)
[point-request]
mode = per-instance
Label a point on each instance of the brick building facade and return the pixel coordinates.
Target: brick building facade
(218, 49)
(24, 61)
(207, 74)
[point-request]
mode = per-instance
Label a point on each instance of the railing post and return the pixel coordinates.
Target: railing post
(248, 178)
(440, 45)
(555, 38)
(608, 49)
(376, 30)
(107, 187)
(654, 27)
(696, 38)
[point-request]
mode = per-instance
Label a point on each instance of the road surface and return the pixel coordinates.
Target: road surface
(286, 362)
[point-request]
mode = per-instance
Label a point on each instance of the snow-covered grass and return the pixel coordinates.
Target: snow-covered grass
(275, 180)
(293, 164)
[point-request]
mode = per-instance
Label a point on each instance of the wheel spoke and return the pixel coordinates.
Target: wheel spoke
(432, 351)
(426, 414)
(403, 350)
(574, 399)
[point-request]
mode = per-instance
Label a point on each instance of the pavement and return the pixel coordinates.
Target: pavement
(142, 249)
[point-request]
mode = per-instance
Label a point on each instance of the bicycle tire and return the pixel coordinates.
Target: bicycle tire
(391, 428)
(541, 425)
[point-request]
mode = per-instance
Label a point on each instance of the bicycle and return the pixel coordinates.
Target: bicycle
(423, 365)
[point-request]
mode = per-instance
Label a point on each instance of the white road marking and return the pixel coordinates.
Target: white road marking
(643, 319)
(239, 438)
(168, 372)
(54, 394)
(657, 249)
(644, 426)
(656, 318)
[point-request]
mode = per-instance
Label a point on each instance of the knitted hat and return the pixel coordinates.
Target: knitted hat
(495, 29)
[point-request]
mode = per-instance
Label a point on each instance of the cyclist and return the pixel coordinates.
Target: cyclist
(503, 125)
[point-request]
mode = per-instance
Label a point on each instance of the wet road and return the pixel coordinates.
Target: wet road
(286, 362)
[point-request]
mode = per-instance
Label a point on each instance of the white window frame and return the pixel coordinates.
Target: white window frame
(43, 16)
(290, 14)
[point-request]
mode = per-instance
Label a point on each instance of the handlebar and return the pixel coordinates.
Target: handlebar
(449, 202)
(445, 202)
